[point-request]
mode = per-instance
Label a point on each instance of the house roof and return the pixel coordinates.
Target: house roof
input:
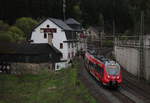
(28, 49)
(75, 25)
(72, 21)
(12, 52)
(61, 24)
(71, 35)
(58, 22)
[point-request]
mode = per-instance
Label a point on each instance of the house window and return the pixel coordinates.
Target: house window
(47, 26)
(45, 35)
(72, 54)
(68, 55)
(89, 32)
(61, 45)
(68, 45)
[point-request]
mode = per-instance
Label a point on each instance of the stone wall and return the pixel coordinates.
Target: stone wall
(27, 68)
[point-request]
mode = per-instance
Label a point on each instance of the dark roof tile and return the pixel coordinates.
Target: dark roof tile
(72, 21)
(61, 24)
(28, 49)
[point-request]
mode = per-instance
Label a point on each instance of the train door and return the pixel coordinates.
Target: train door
(91, 68)
(86, 63)
(97, 73)
(101, 72)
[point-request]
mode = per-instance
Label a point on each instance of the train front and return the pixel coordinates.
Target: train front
(112, 74)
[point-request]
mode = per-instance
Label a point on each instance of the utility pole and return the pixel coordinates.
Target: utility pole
(141, 49)
(64, 9)
(114, 31)
(101, 39)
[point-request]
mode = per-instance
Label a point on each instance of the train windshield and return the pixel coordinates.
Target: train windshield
(113, 70)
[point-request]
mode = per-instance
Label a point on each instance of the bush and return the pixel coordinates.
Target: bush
(3, 26)
(108, 43)
(6, 37)
(26, 24)
(16, 33)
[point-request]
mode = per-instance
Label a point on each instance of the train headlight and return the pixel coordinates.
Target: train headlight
(108, 77)
(118, 77)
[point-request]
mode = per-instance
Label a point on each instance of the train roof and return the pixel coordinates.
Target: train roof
(102, 58)
(97, 56)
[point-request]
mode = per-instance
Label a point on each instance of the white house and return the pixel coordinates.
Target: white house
(60, 35)
(77, 27)
(95, 32)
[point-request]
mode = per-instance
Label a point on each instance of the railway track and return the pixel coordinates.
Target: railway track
(131, 90)
(122, 97)
(139, 88)
(102, 95)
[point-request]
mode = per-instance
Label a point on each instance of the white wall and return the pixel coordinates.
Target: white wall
(72, 49)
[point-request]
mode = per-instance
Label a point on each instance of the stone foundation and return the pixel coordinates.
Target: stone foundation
(30, 68)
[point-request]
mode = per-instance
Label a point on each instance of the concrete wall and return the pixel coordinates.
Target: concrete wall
(147, 63)
(128, 58)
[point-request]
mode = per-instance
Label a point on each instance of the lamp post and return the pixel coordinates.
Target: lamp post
(141, 49)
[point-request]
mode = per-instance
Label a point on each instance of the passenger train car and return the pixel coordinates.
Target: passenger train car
(106, 71)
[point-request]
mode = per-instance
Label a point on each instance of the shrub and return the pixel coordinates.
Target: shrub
(16, 33)
(3, 26)
(6, 37)
(26, 24)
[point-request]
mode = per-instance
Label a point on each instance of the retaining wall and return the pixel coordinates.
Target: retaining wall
(129, 58)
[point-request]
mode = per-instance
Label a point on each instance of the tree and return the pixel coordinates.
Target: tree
(77, 11)
(101, 20)
(3, 26)
(26, 24)
(16, 33)
(5, 37)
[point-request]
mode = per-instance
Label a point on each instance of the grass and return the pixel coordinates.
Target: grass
(47, 87)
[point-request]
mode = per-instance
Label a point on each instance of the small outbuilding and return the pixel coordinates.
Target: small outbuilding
(14, 55)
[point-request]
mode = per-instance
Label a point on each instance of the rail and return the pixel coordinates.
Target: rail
(130, 43)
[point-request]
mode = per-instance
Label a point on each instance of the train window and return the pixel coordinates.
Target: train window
(100, 70)
(97, 68)
(113, 70)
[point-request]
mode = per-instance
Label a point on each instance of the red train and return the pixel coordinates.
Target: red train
(106, 71)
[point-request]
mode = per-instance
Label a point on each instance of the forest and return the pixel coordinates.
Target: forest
(125, 13)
